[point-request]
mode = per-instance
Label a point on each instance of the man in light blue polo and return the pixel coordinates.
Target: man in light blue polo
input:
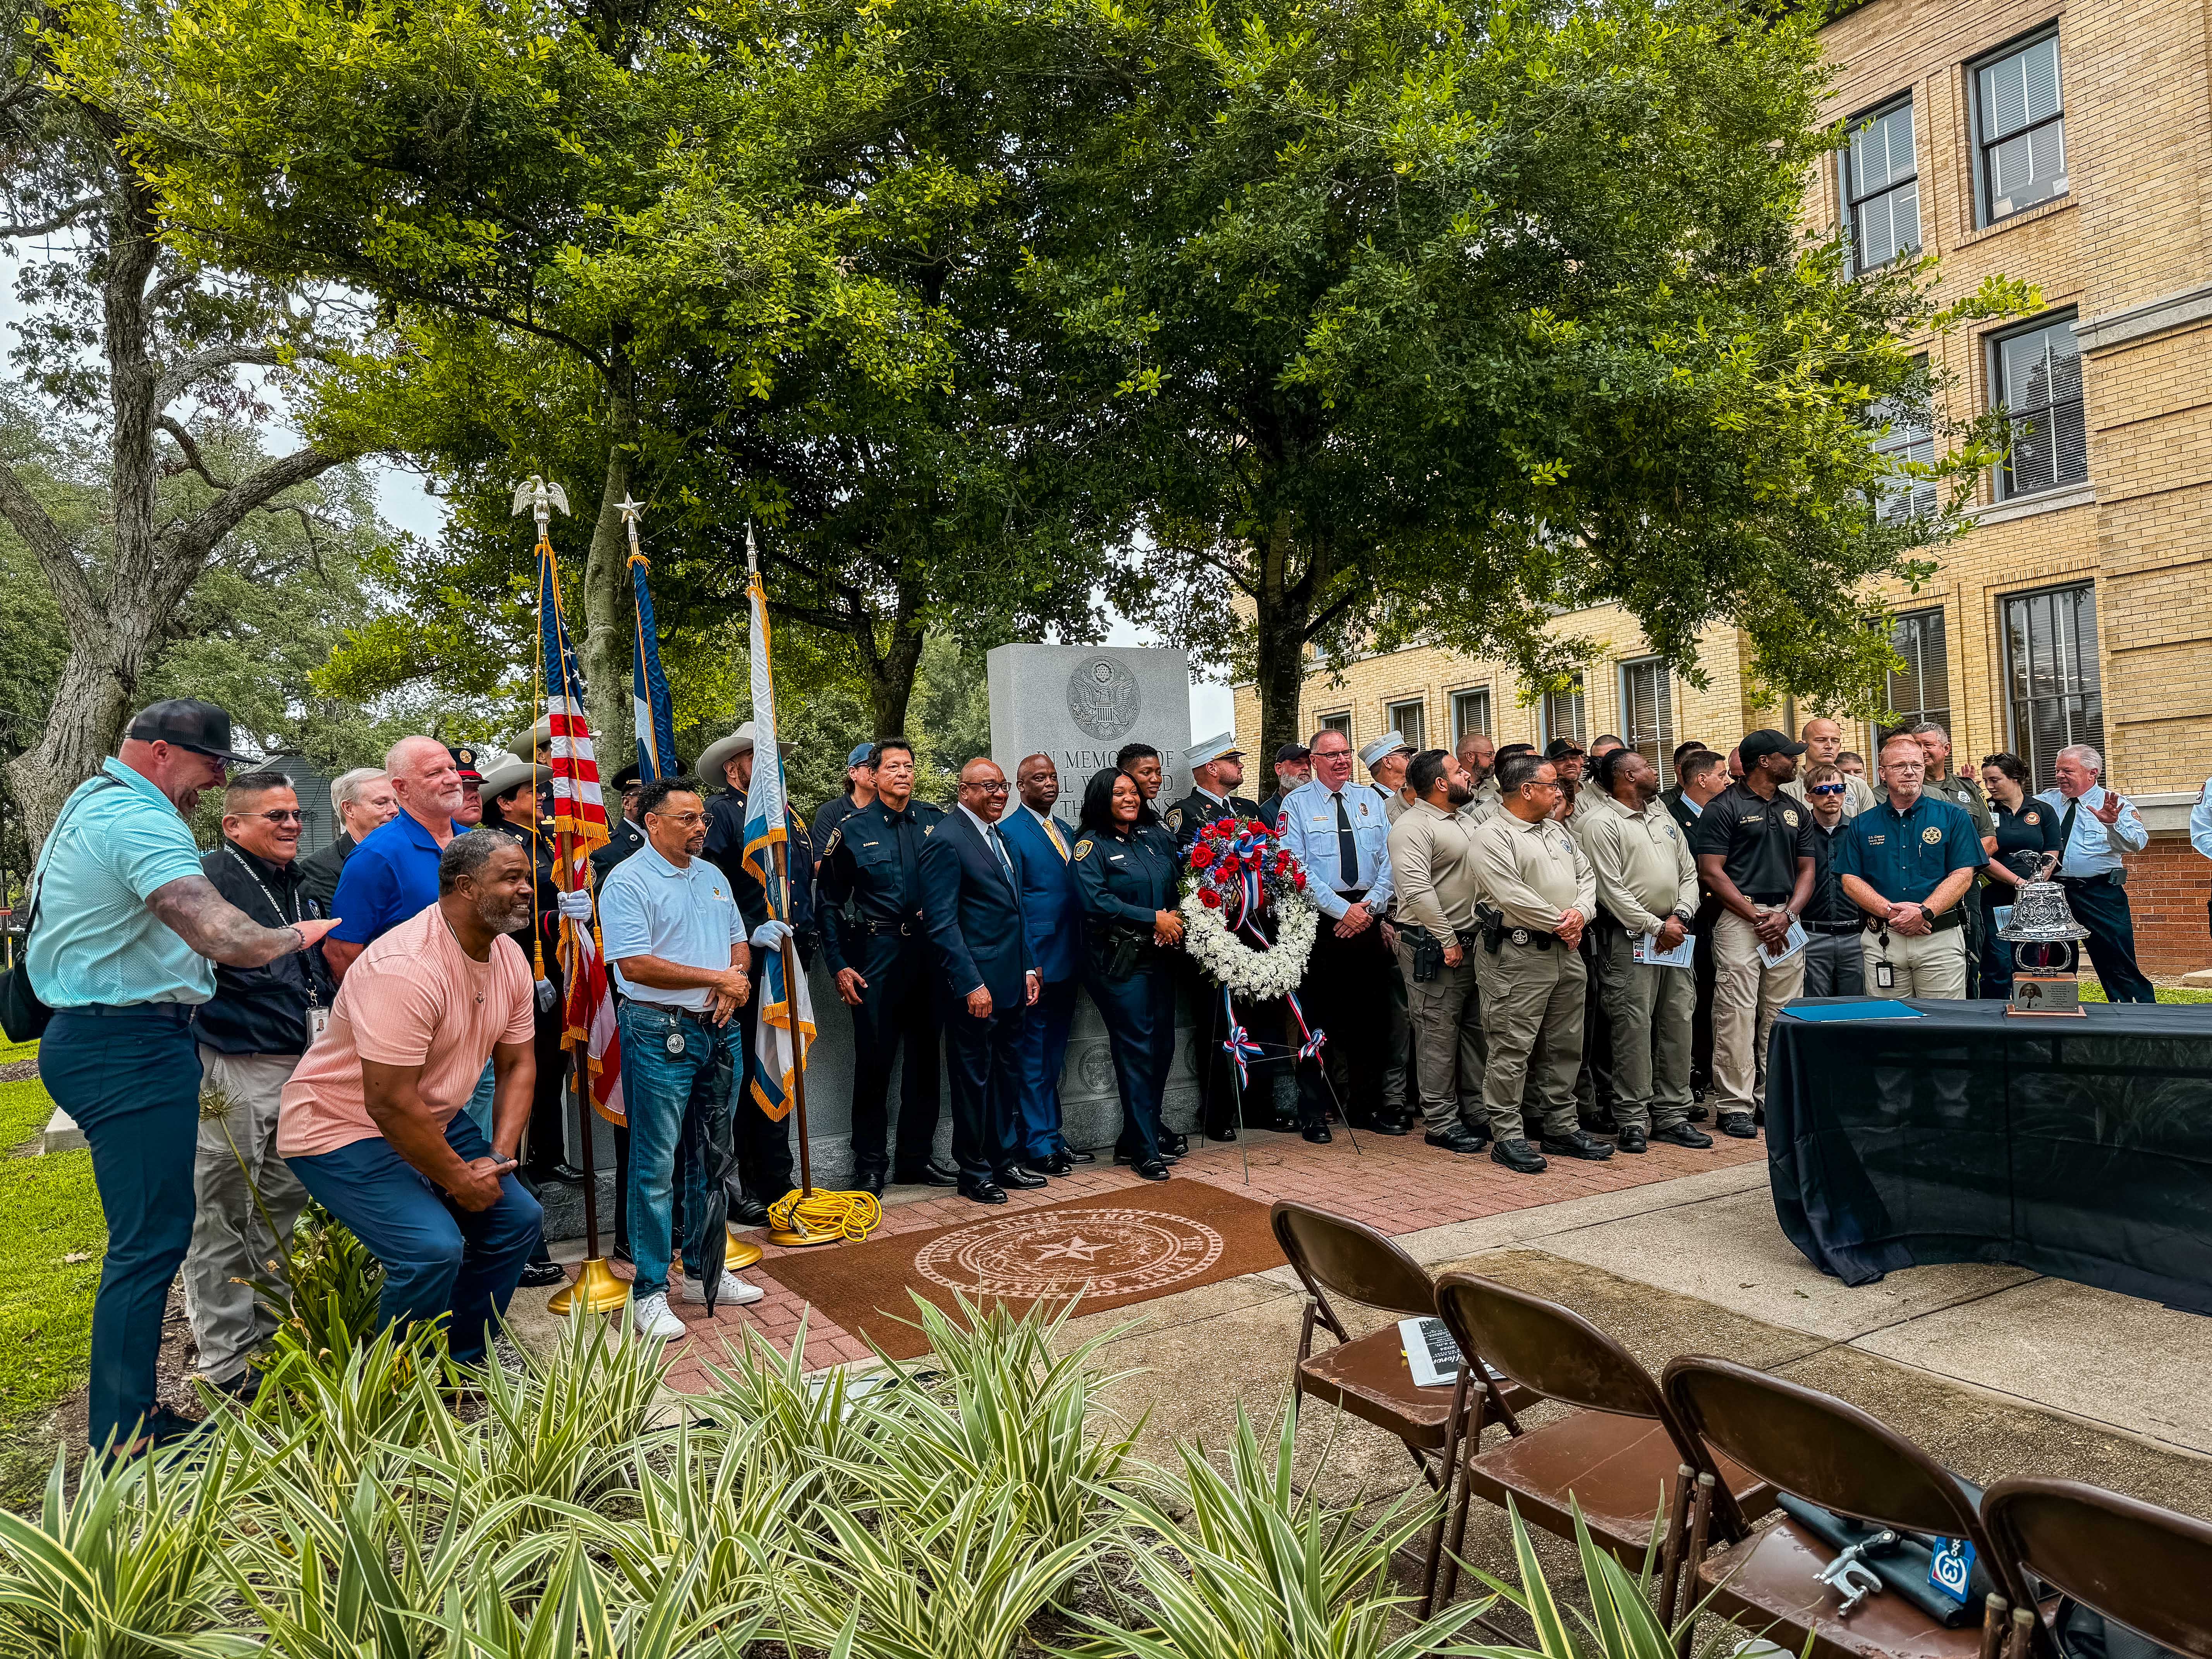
(125, 931)
(2097, 827)
(670, 924)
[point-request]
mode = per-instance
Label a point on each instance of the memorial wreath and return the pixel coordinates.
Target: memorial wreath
(1238, 871)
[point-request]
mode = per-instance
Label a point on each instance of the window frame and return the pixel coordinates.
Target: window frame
(1338, 719)
(1851, 203)
(2092, 684)
(1993, 345)
(1985, 214)
(1418, 739)
(1941, 712)
(1662, 740)
(1462, 733)
(1580, 694)
(1901, 446)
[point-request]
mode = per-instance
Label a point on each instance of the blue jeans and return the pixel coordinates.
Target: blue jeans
(439, 1259)
(679, 1129)
(479, 1111)
(130, 1078)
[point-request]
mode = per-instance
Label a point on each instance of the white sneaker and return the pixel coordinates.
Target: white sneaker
(732, 1289)
(652, 1317)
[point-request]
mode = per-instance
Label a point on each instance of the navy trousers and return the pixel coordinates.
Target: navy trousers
(1044, 1054)
(983, 1062)
(2102, 908)
(130, 1078)
(896, 1020)
(439, 1259)
(1139, 1016)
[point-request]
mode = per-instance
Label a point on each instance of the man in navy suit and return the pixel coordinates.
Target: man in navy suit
(971, 885)
(1052, 909)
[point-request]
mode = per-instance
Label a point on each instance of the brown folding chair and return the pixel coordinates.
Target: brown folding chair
(1829, 1453)
(2136, 1564)
(1370, 1377)
(1621, 1458)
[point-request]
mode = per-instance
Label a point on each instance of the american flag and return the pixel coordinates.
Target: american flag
(580, 823)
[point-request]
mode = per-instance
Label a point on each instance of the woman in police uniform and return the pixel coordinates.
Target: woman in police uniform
(2026, 829)
(1127, 878)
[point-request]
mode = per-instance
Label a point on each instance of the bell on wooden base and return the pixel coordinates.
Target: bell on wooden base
(2041, 929)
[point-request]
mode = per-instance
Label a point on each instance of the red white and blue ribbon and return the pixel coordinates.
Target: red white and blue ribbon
(1240, 1047)
(1310, 1049)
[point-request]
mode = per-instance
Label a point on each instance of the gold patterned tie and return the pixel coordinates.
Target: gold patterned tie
(1058, 845)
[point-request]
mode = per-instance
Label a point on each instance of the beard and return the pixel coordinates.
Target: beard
(504, 916)
(1459, 793)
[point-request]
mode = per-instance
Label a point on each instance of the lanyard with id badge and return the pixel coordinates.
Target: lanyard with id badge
(317, 1015)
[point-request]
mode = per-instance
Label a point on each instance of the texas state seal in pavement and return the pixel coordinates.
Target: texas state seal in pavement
(1056, 1254)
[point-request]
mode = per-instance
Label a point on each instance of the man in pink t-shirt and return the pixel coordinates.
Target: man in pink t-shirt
(372, 1122)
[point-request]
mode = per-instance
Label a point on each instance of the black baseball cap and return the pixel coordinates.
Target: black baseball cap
(635, 772)
(1562, 747)
(1292, 751)
(1758, 744)
(188, 723)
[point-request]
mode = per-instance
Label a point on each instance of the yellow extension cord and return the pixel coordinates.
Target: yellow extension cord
(837, 1215)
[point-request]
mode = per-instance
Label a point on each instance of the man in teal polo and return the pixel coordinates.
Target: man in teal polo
(1908, 862)
(125, 934)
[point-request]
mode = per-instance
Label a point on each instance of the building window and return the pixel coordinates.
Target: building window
(1410, 720)
(1470, 713)
(2020, 128)
(1882, 187)
(1921, 690)
(1647, 709)
(1563, 714)
(2052, 684)
(1905, 439)
(1340, 721)
(2036, 374)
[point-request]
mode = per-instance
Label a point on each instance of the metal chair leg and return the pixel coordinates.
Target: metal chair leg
(1449, 1465)
(2023, 1631)
(1670, 1545)
(1701, 1515)
(1993, 1625)
(1468, 1448)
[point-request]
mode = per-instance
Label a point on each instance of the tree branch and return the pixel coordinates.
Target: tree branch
(57, 558)
(192, 457)
(61, 221)
(193, 540)
(178, 378)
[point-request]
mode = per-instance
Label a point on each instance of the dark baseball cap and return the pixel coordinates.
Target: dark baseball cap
(860, 755)
(1760, 743)
(188, 723)
(1292, 751)
(464, 761)
(1560, 748)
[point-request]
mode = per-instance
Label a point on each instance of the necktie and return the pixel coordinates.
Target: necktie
(1059, 845)
(1347, 849)
(909, 884)
(998, 847)
(2066, 836)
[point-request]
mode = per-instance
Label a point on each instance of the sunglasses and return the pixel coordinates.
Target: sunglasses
(1827, 789)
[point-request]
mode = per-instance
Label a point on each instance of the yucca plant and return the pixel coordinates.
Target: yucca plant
(819, 1440)
(130, 1566)
(1261, 1571)
(329, 1410)
(584, 1614)
(714, 1508)
(327, 1290)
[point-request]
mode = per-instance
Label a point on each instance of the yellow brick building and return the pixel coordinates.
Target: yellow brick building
(2068, 145)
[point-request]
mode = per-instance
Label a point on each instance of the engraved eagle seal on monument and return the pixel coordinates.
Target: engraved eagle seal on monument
(1103, 698)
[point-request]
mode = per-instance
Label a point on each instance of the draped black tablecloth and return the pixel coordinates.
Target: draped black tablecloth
(2080, 1148)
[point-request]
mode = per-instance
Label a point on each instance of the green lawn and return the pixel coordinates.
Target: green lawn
(50, 1254)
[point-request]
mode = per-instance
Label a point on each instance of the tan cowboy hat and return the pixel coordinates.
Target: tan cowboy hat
(721, 752)
(527, 744)
(508, 773)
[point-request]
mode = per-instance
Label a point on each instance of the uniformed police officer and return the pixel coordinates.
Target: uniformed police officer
(1337, 830)
(1539, 894)
(1148, 770)
(868, 895)
(1217, 767)
(1132, 926)
(762, 1144)
(1909, 863)
(1754, 850)
(1647, 885)
(1386, 759)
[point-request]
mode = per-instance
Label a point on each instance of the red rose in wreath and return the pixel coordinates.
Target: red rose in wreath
(1209, 898)
(1201, 856)
(1299, 878)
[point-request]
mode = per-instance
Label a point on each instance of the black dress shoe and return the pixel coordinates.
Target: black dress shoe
(564, 1175)
(982, 1192)
(539, 1275)
(1630, 1140)
(1579, 1143)
(1740, 1125)
(1317, 1132)
(932, 1173)
(1457, 1138)
(1602, 1121)
(1281, 1126)
(1057, 1164)
(1155, 1170)
(1077, 1155)
(1518, 1155)
(1174, 1145)
(1681, 1134)
(868, 1181)
(748, 1212)
(1014, 1176)
(1697, 1115)
(1392, 1126)
(1227, 1132)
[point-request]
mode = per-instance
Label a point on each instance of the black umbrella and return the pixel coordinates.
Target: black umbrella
(707, 1139)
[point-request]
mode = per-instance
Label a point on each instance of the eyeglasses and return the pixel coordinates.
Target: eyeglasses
(1827, 789)
(279, 815)
(680, 818)
(998, 788)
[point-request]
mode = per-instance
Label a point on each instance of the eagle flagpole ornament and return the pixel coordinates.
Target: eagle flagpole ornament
(579, 826)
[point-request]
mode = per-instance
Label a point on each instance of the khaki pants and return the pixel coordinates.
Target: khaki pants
(231, 1242)
(1746, 996)
(1649, 1009)
(1931, 965)
(1448, 1046)
(1532, 1024)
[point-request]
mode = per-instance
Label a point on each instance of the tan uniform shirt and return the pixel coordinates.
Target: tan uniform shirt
(1532, 872)
(1395, 804)
(1432, 867)
(1858, 795)
(1642, 863)
(1486, 804)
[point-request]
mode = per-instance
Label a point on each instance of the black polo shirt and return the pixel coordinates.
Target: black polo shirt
(1758, 841)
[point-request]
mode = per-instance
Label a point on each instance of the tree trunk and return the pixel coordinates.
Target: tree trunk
(1282, 615)
(608, 613)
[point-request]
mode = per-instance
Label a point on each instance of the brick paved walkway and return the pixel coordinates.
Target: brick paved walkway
(1393, 1184)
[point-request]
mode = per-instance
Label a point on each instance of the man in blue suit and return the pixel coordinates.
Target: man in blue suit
(972, 885)
(1052, 910)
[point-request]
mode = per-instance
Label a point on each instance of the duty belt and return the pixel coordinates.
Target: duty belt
(904, 929)
(1835, 926)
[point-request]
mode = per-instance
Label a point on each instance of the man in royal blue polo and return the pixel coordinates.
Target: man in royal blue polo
(393, 874)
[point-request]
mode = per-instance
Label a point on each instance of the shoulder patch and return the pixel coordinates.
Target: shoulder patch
(1083, 849)
(836, 835)
(1789, 818)
(1175, 817)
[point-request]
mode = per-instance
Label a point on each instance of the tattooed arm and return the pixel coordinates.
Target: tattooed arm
(218, 929)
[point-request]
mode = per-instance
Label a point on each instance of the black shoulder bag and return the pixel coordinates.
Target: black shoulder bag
(24, 1013)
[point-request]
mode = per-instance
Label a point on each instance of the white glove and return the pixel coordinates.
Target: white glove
(576, 906)
(770, 935)
(544, 995)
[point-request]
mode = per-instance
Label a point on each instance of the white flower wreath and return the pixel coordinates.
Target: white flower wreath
(1230, 859)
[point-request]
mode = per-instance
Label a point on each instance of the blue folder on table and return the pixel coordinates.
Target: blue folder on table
(1872, 1008)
